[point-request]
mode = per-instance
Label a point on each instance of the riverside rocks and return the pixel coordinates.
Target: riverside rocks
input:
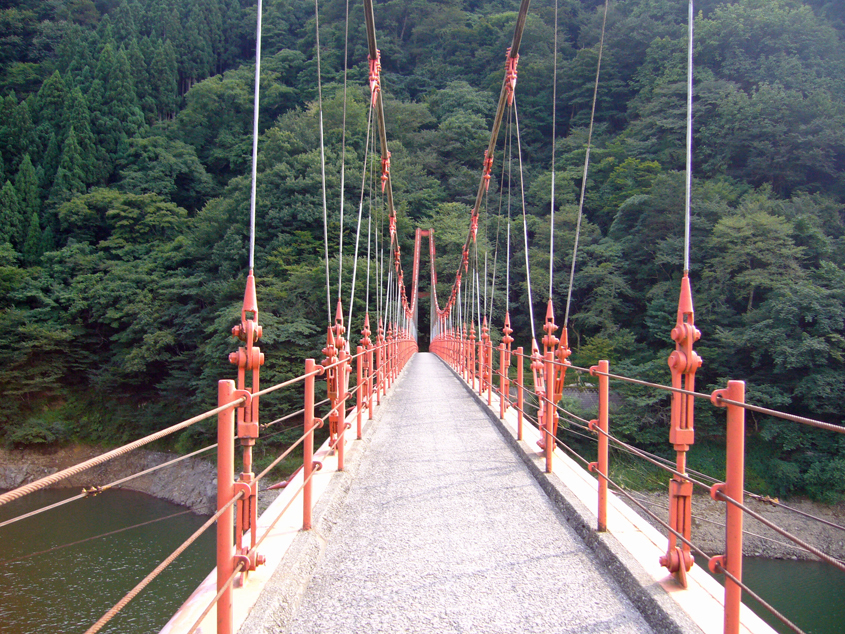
(191, 483)
(708, 522)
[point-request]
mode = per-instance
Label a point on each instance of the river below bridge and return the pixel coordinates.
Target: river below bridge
(68, 588)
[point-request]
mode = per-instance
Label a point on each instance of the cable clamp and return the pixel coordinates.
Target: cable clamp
(375, 77)
(510, 75)
(716, 564)
(716, 489)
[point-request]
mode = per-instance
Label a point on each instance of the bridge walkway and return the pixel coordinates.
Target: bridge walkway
(444, 530)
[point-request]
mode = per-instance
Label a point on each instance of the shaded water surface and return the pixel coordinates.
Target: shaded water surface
(811, 594)
(68, 588)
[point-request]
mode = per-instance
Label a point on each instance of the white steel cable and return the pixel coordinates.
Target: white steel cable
(524, 220)
(252, 195)
(586, 171)
(554, 138)
(688, 199)
(323, 164)
(343, 163)
(360, 214)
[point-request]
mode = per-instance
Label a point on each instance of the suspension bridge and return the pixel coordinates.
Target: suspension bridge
(445, 497)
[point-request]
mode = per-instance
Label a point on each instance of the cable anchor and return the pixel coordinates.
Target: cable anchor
(683, 363)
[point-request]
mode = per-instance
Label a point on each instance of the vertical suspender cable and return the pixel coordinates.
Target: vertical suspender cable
(554, 138)
(586, 171)
(369, 234)
(524, 221)
(343, 170)
(688, 202)
(255, 142)
(323, 164)
(360, 214)
(509, 140)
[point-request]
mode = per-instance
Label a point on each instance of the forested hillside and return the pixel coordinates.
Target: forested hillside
(125, 133)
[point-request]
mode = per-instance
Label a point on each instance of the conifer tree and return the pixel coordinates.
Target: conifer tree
(52, 105)
(11, 220)
(138, 69)
(32, 244)
(124, 25)
(49, 163)
(165, 81)
(90, 155)
(70, 179)
(26, 185)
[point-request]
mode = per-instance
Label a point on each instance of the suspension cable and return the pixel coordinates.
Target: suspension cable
(509, 139)
(323, 163)
(586, 170)
(688, 199)
(252, 195)
(343, 164)
(524, 220)
(360, 214)
(554, 139)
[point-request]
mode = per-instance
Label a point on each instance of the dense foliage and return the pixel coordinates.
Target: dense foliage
(124, 193)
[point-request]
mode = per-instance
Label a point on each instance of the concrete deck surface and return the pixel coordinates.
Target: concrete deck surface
(444, 529)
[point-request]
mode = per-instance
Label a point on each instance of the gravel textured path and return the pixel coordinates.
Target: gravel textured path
(444, 530)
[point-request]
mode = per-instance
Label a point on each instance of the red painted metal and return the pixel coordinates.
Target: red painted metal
(247, 358)
(520, 395)
(504, 366)
(488, 168)
(380, 361)
(503, 381)
(733, 488)
(225, 493)
(375, 77)
(385, 175)
(683, 363)
(359, 392)
(551, 416)
(603, 425)
(308, 443)
(510, 75)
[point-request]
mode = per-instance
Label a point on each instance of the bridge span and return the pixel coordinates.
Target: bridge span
(442, 521)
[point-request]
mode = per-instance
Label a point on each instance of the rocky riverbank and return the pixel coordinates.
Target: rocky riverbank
(191, 482)
(708, 526)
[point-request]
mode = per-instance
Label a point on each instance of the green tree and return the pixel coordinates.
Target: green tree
(26, 185)
(32, 245)
(12, 226)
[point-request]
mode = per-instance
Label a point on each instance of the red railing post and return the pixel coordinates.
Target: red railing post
(602, 465)
(471, 351)
(359, 355)
(550, 409)
(225, 492)
(342, 374)
(683, 363)
(503, 381)
(520, 395)
(733, 488)
(489, 356)
(308, 443)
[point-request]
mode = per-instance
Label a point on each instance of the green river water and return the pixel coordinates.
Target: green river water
(67, 589)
